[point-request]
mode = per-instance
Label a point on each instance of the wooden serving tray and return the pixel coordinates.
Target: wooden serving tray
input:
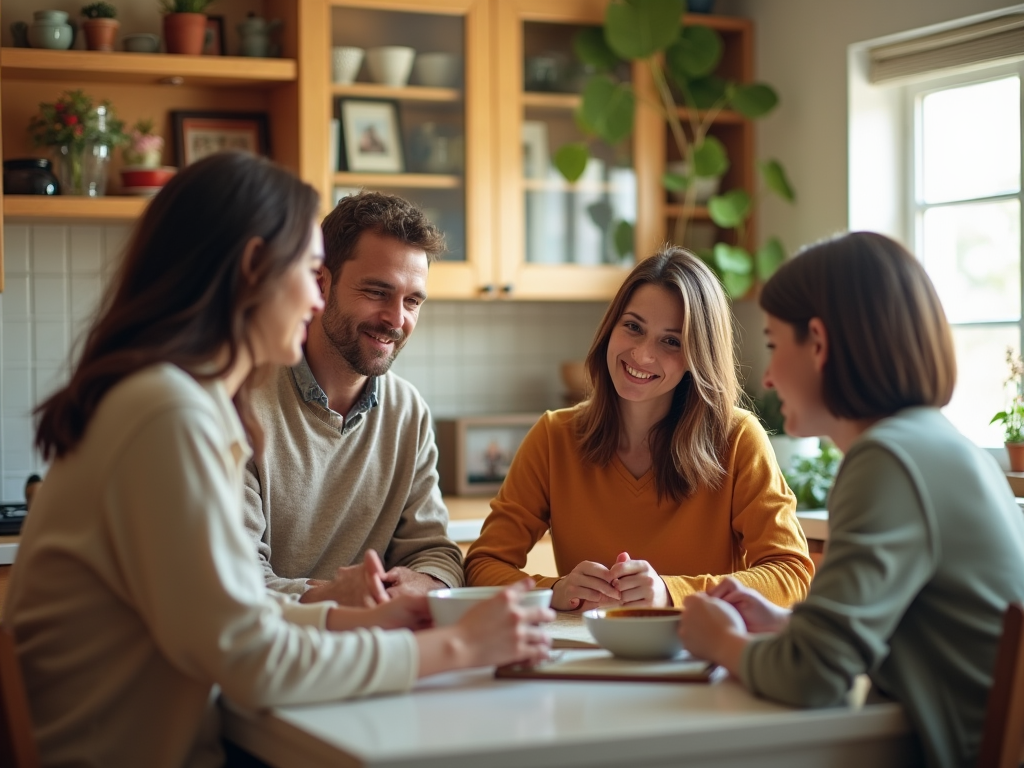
(587, 664)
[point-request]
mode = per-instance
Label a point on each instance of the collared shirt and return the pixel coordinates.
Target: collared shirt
(312, 393)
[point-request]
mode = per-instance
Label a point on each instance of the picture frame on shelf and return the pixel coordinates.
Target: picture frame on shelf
(371, 136)
(475, 452)
(536, 161)
(214, 43)
(200, 133)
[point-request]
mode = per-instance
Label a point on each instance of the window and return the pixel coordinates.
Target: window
(964, 222)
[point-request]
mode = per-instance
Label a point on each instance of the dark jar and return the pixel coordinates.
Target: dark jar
(30, 176)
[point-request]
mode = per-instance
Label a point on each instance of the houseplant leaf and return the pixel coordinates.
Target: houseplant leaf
(591, 48)
(737, 285)
(571, 160)
(607, 108)
(729, 210)
(705, 91)
(732, 258)
(639, 30)
(775, 178)
(623, 238)
(710, 158)
(695, 53)
(769, 257)
(754, 100)
(675, 182)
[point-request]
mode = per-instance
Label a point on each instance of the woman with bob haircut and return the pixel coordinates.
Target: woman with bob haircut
(137, 592)
(926, 543)
(658, 484)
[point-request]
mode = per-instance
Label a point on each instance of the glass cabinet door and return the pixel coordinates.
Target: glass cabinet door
(559, 239)
(408, 114)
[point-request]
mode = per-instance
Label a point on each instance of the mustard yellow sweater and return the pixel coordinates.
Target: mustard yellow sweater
(747, 528)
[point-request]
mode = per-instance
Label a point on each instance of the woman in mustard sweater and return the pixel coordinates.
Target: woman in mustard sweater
(658, 486)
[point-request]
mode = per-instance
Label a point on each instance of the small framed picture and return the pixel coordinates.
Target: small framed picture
(371, 139)
(214, 43)
(198, 134)
(535, 149)
(475, 453)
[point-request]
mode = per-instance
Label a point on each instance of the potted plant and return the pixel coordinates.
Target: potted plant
(1012, 418)
(682, 60)
(811, 477)
(100, 26)
(144, 147)
(184, 25)
(788, 449)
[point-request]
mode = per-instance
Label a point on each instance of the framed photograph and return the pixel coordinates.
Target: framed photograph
(371, 139)
(474, 453)
(535, 149)
(214, 44)
(198, 134)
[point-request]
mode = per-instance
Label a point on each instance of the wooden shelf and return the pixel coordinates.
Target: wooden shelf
(405, 180)
(144, 68)
(555, 101)
(697, 213)
(561, 185)
(408, 93)
(41, 207)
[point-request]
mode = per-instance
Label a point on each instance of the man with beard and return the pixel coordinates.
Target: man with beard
(347, 475)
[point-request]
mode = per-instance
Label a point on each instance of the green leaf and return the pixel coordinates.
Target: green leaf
(706, 91)
(710, 158)
(736, 286)
(571, 160)
(729, 210)
(607, 108)
(695, 53)
(674, 182)
(732, 258)
(639, 30)
(1000, 417)
(775, 178)
(769, 257)
(591, 48)
(753, 100)
(623, 238)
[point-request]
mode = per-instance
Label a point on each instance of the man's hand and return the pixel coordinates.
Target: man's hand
(359, 586)
(403, 581)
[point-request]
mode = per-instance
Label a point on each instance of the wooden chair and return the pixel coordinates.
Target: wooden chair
(1003, 737)
(17, 745)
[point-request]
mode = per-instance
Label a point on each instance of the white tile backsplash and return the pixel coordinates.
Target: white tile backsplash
(466, 358)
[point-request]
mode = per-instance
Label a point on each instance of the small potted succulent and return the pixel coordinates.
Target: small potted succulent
(100, 26)
(1012, 418)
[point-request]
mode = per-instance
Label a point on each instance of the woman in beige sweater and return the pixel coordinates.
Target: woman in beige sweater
(137, 593)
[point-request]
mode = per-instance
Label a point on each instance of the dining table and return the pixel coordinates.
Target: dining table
(473, 718)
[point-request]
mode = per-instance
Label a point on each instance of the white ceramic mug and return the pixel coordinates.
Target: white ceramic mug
(345, 63)
(390, 64)
(437, 70)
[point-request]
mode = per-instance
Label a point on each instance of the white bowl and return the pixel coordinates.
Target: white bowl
(636, 633)
(345, 63)
(437, 70)
(704, 186)
(390, 64)
(448, 605)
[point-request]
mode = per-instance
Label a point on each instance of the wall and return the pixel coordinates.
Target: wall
(801, 49)
(465, 358)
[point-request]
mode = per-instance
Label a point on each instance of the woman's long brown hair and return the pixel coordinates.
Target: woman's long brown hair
(180, 295)
(689, 445)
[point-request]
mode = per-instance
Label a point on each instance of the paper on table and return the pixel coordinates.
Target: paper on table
(569, 631)
(587, 664)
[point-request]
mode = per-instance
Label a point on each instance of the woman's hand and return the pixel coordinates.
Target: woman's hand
(638, 583)
(712, 629)
(758, 614)
(588, 583)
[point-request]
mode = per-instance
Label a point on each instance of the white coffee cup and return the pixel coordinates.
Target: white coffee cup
(390, 64)
(345, 63)
(437, 70)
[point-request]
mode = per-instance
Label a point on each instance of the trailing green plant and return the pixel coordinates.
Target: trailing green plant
(686, 57)
(184, 6)
(99, 11)
(812, 477)
(1012, 418)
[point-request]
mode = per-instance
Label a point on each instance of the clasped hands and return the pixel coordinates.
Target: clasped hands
(627, 583)
(369, 585)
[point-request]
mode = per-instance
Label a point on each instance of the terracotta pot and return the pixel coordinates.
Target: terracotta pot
(185, 33)
(100, 33)
(1016, 453)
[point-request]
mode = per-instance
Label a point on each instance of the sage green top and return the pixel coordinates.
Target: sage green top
(926, 549)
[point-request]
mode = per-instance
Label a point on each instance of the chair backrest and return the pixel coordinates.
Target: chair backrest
(17, 744)
(1003, 737)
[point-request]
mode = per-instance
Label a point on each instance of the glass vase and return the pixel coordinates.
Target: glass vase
(82, 168)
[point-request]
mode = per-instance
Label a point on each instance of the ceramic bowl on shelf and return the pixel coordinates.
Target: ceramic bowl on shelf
(636, 633)
(143, 42)
(137, 180)
(390, 64)
(345, 63)
(437, 70)
(448, 605)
